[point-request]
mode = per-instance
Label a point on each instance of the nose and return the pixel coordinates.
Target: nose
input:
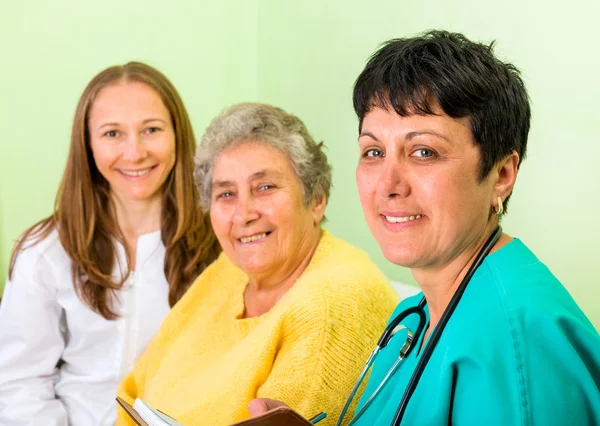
(135, 149)
(393, 179)
(245, 210)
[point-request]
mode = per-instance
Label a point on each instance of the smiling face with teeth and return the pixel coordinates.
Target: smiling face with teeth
(258, 212)
(132, 140)
(418, 181)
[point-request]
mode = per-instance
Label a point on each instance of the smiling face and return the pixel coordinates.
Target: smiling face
(419, 187)
(132, 140)
(258, 213)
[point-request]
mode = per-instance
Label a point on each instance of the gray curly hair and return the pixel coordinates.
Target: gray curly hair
(255, 122)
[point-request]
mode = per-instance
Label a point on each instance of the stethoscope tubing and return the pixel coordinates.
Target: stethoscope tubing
(390, 330)
(385, 338)
(439, 329)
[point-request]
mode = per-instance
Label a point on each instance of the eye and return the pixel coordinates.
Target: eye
(111, 134)
(374, 152)
(265, 187)
(150, 130)
(424, 153)
(225, 194)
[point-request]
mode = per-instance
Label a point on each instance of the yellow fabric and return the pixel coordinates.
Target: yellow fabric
(207, 362)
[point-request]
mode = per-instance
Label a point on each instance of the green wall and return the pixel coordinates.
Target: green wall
(50, 51)
(304, 56)
(310, 52)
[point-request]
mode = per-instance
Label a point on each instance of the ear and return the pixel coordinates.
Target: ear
(318, 210)
(506, 176)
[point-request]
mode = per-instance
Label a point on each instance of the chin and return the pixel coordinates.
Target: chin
(400, 257)
(141, 195)
(252, 266)
(253, 270)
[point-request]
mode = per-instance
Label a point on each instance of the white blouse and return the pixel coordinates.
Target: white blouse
(44, 324)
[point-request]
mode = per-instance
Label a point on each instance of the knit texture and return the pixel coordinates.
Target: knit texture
(207, 362)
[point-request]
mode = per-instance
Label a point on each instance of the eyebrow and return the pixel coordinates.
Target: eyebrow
(148, 120)
(412, 135)
(369, 134)
(254, 176)
(409, 135)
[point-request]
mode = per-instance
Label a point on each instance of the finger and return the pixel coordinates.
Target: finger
(260, 406)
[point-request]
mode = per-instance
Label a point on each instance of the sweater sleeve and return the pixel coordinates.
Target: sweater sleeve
(31, 344)
(326, 341)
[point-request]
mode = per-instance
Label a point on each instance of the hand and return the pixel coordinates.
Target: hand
(260, 406)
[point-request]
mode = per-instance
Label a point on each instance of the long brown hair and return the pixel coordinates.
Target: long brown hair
(84, 215)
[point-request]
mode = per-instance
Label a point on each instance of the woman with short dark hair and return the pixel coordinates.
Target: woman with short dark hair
(494, 338)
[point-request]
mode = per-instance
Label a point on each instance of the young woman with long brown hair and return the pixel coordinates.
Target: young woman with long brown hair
(89, 285)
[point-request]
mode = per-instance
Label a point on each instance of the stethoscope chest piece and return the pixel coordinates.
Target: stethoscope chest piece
(409, 339)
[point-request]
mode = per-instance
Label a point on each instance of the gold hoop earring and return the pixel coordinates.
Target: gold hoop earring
(500, 208)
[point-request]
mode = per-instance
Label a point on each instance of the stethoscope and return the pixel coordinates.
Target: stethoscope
(394, 327)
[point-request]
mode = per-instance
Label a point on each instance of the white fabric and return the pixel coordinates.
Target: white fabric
(405, 290)
(42, 321)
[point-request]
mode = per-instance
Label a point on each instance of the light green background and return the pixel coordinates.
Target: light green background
(304, 56)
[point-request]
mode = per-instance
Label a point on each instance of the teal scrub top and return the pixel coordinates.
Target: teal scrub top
(516, 351)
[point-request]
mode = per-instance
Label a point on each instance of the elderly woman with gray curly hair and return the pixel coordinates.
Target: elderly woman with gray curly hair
(288, 311)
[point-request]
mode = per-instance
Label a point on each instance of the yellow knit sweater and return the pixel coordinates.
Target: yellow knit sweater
(207, 362)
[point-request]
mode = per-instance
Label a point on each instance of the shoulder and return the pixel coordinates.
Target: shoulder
(526, 290)
(214, 286)
(513, 294)
(340, 268)
(43, 252)
(221, 271)
(537, 310)
(332, 248)
(342, 284)
(41, 266)
(518, 321)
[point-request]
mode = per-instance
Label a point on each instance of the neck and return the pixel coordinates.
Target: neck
(263, 291)
(136, 218)
(439, 284)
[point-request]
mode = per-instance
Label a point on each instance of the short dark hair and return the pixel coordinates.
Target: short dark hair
(463, 77)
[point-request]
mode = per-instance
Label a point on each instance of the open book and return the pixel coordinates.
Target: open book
(144, 415)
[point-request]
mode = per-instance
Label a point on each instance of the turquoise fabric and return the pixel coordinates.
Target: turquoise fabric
(517, 351)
